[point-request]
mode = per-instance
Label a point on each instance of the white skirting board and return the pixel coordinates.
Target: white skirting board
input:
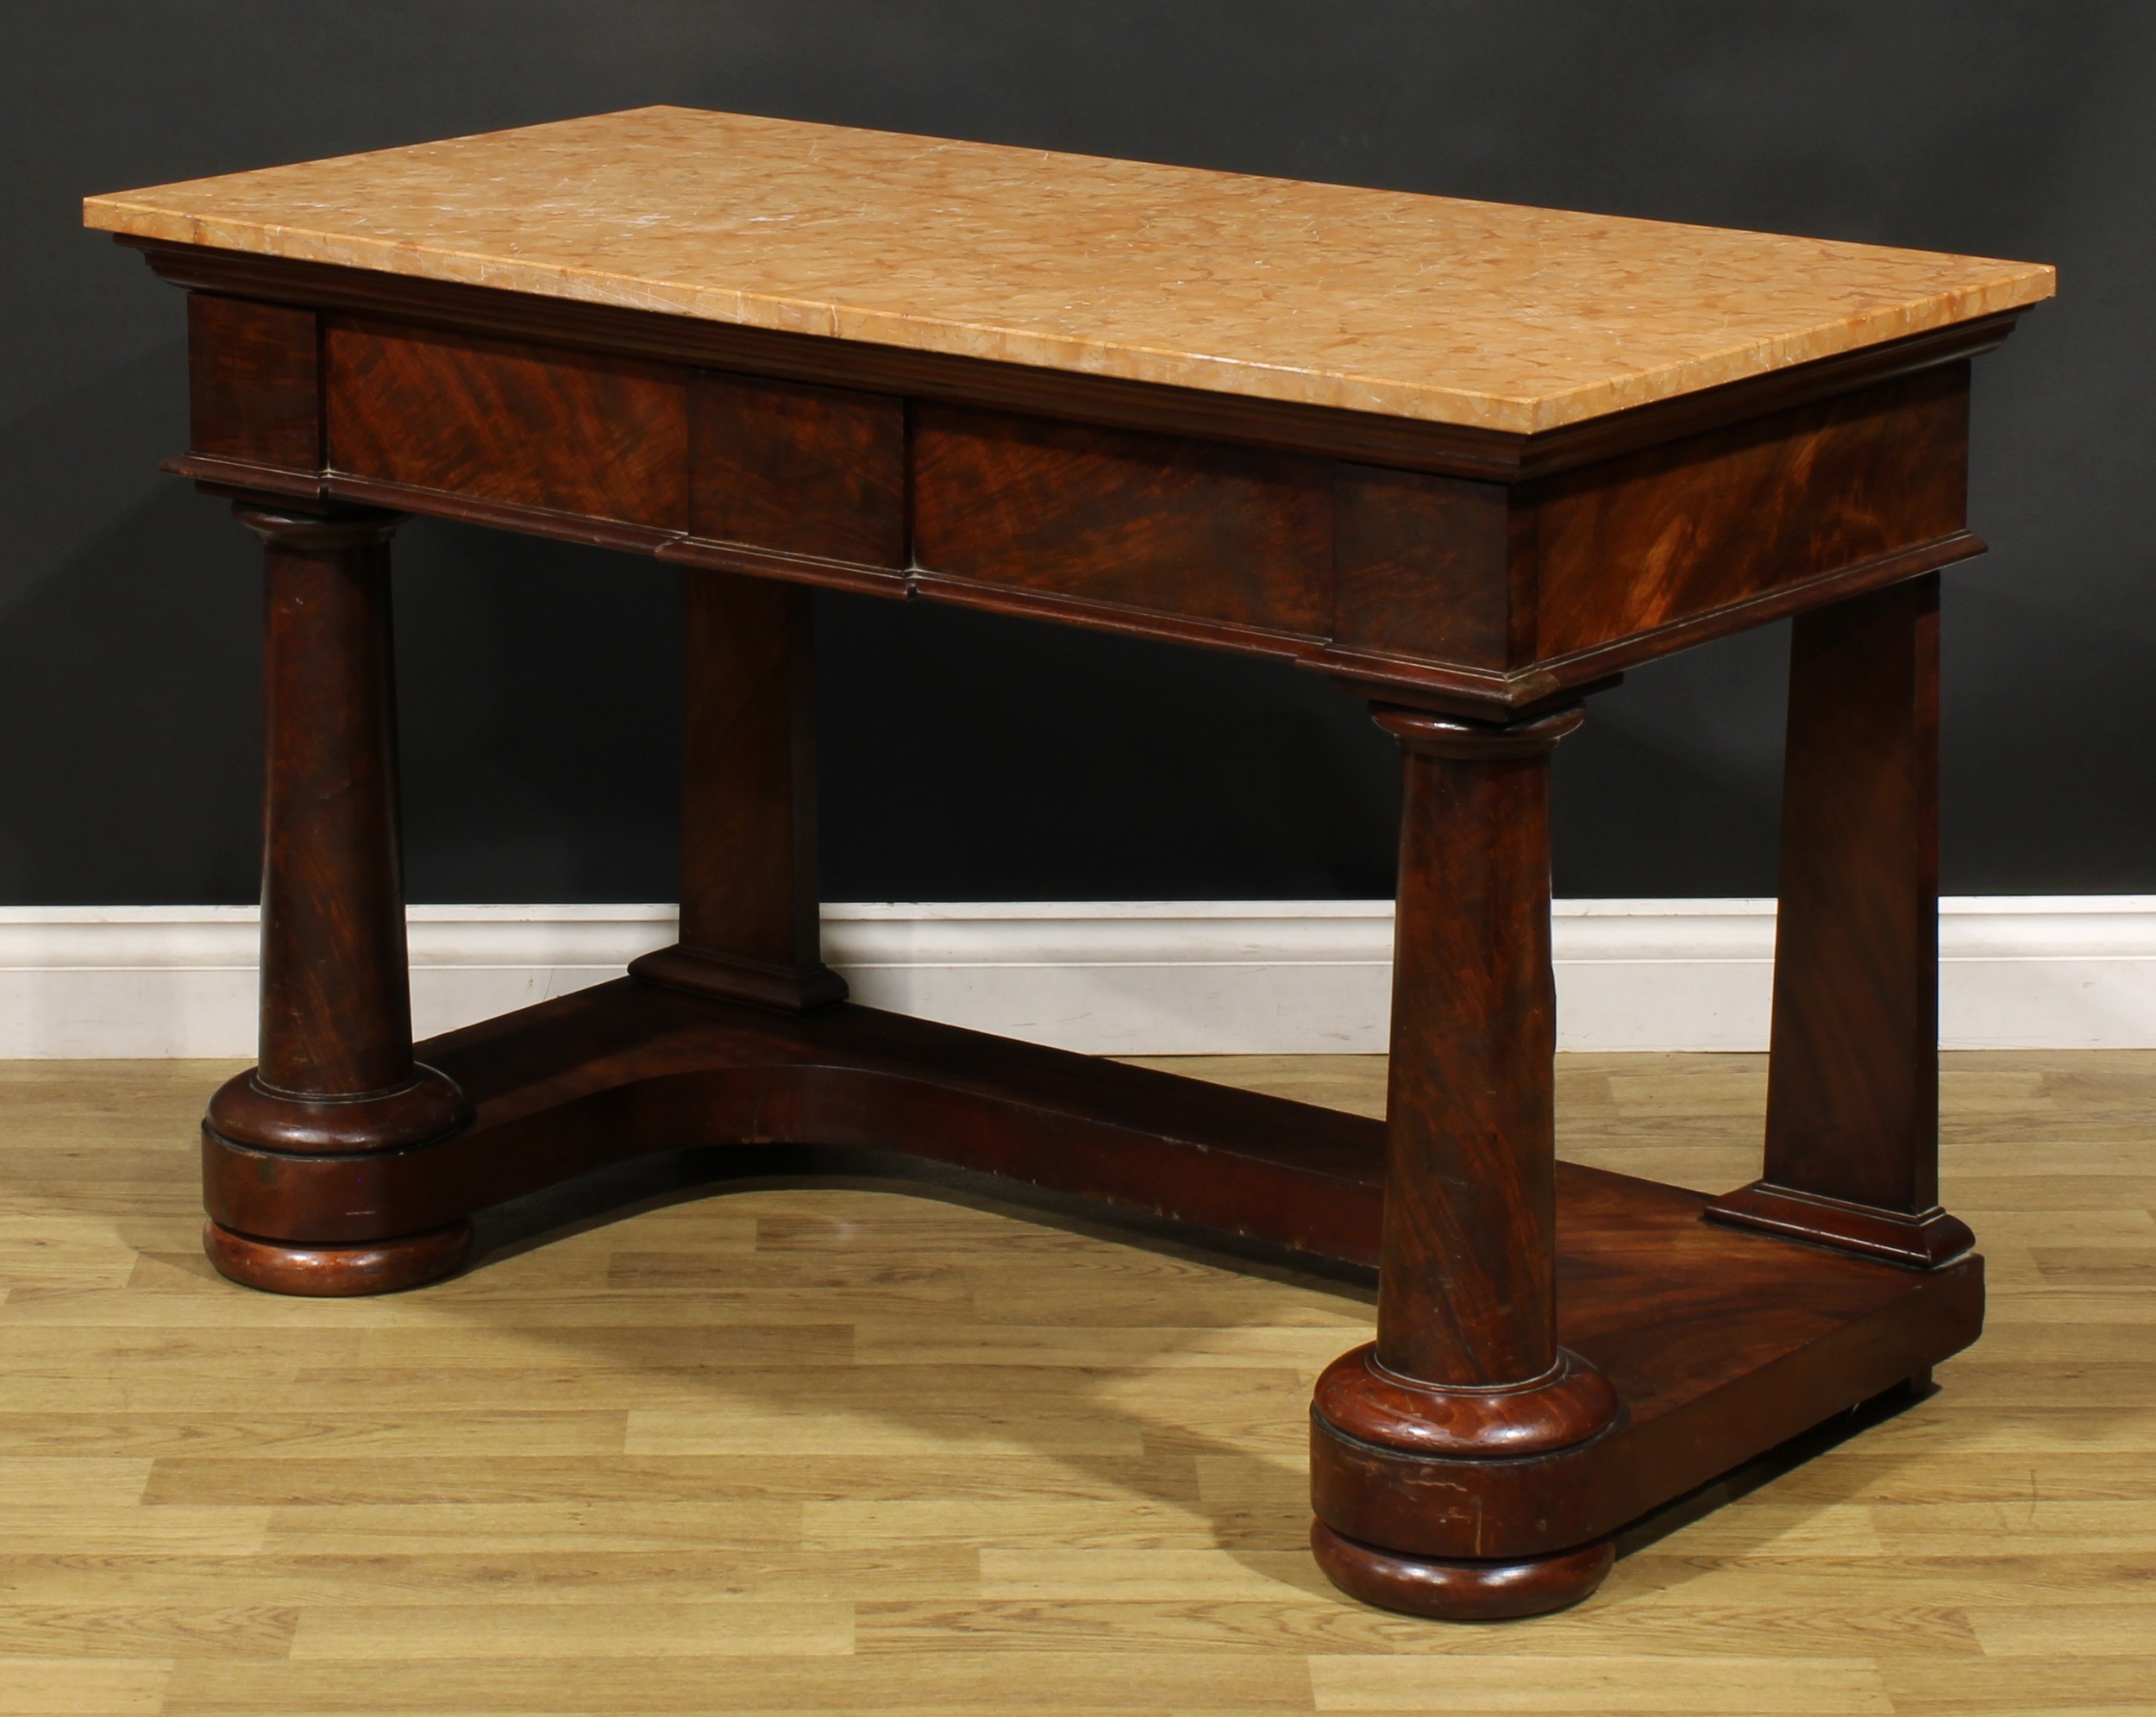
(1109, 977)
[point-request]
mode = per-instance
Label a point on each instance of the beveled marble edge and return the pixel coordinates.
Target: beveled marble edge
(148, 216)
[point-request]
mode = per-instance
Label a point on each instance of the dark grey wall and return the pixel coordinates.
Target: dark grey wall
(968, 757)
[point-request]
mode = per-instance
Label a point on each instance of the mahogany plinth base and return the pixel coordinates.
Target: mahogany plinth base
(332, 1272)
(1924, 1241)
(425, 1107)
(1715, 1344)
(732, 979)
(1460, 1591)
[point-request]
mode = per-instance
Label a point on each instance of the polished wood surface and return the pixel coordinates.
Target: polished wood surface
(1466, 1367)
(1470, 1207)
(1716, 1343)
(1710, 522)
(749, 923)
(1139, 522)
(254, 382)
(336, 1006)
(843, 1449)
(1555, 562)
(1556, 1352)
(1431, 566)
(809, 471)
(599, 436)
(1853, 1104)
(336, 1073)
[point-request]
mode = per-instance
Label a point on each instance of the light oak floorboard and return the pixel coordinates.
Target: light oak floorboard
(844, 1450)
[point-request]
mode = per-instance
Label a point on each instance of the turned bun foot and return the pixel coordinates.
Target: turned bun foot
(327, 1272)
(1421, 1491)
(1459, 1591)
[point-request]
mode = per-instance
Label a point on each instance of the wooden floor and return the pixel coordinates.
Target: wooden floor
(710, 1459)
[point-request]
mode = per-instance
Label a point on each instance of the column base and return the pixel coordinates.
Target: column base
(1358, 1398)
(336, 1272)
(1459, 1591)
(427, 1106)
(1720, 1344)
(700, 972)
(1923, 1241)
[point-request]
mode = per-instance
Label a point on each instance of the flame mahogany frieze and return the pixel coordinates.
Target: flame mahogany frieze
(1468, 591)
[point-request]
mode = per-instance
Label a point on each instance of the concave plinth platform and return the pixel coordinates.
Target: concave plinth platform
(1721, 1343)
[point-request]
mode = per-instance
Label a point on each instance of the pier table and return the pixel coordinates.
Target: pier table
(1467, 461)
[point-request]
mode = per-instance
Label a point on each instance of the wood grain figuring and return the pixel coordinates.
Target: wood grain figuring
(1364, 437)
(1414, 589)
(1852, 1111)
(1428, 583)
(1466, 1378)
(633, 1070)
(1852, 1093)
(1558, 1351)
(1711, 1343)
(337, 1019)
(1428, 566)
(1467, 1297)
(1655, 537)
(561, 430)
(749, 923)
(1145, 523)
(336, 1072)
(814, 471)
(254, 382)
(1653, 1302)
(834, 1450)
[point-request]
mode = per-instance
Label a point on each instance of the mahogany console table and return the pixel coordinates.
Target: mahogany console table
(1469, 462)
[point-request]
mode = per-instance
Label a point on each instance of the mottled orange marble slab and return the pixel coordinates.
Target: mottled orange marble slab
(1425, 307)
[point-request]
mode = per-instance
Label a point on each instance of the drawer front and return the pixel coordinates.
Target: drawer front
(1194, 529)
(518, 425)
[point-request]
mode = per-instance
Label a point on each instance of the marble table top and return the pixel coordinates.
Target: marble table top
(1425, 307)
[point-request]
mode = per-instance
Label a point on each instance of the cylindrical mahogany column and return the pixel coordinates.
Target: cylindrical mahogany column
(1466, 1365)
(1466, 1288)
(335, 1073)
